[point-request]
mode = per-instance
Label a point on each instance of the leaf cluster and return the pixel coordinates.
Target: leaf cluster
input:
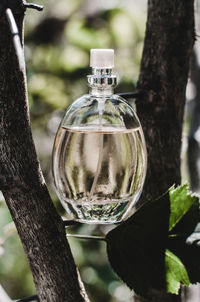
(158, 247)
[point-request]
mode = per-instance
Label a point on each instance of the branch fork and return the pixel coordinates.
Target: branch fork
(18, 7)
(9, 8)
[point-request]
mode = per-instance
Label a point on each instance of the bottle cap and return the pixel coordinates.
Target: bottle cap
(102, 58)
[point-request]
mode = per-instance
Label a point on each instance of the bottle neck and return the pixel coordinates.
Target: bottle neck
(101, 82)
(98, 92)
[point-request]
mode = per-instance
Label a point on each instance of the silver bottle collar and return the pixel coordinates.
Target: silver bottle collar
(102, 77)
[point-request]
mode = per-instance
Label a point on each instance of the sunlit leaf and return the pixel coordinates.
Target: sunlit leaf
(180, 202)
(176, 273)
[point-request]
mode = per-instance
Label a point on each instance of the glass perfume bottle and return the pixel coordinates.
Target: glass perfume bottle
(99, 155)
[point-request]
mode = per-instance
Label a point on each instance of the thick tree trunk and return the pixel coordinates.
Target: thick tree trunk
(163, 76)
(39, 226)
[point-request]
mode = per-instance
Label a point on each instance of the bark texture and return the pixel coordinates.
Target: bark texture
(194, 138)
(163, 77)
(39, 226)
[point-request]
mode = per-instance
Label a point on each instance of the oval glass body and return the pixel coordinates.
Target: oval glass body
(99, 159)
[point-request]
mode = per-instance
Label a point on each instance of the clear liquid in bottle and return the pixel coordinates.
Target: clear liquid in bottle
(98, 171)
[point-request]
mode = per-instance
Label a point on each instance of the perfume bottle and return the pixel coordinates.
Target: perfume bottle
(99, 154)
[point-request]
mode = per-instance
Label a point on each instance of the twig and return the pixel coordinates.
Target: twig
(16, 39)
(100, 238)
(130, 95)
(28, 299)
(33, 6)
(15, 32)
(70, 222)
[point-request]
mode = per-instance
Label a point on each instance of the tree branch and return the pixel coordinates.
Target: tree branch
(193, 139)
(33, 6)
(16, 39)
(89, 237)
(39, 226)
(18, 6)
(163, 77)
(131, 95)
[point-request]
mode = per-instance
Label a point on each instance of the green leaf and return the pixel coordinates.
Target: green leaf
(188, 253)
(180, 202)
(137, 248)
(176, 273)
(184, 238)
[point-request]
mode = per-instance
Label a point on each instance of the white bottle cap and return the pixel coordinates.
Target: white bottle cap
(102, 58)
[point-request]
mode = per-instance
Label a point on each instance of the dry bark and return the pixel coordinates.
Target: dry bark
(39, 226)
(163, 77)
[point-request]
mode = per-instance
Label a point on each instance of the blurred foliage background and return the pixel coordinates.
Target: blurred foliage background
(57, 45)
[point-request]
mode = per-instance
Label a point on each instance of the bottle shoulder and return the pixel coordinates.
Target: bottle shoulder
(92, 100)
(107, 110)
